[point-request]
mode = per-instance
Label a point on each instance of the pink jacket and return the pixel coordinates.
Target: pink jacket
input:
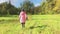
(22, 17)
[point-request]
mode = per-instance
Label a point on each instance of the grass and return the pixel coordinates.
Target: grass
(37, 24)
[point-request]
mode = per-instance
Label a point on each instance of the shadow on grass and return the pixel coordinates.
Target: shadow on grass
(41, 27)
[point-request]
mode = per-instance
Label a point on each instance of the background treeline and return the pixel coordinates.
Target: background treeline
(46, 7)
(8, 9)
(50, 7)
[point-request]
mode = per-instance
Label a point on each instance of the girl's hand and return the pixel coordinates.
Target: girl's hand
(26, 18)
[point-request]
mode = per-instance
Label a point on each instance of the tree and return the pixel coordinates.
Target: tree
(28, 6)
(48, 6)
(8, 9)
(3, 9)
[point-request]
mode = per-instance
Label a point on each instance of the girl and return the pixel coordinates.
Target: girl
(22, 17)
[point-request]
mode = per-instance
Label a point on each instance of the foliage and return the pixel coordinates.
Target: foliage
(8, 9)
(28, 6)
(46, 7)
(50, 7)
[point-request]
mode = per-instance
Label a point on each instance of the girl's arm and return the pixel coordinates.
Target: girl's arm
(26, 17)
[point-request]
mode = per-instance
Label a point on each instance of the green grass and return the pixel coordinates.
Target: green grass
(37, 24)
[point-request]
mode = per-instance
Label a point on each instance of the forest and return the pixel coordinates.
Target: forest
(46, 7)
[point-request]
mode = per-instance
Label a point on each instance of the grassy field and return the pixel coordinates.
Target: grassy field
(37, 24)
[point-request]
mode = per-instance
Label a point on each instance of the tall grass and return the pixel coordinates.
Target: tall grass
(37, 24)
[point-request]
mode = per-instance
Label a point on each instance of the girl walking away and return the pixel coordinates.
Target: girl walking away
(22, 17)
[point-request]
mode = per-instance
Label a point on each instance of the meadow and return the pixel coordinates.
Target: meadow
(36, 24)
